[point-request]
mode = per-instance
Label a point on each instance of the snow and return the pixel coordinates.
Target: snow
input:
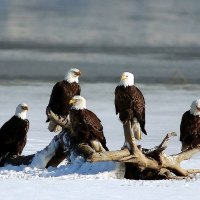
(165, 105)
(43, 156)
(80, 187)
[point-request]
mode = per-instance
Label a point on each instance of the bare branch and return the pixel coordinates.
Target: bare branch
(193, 171)
(179, 171)
(185, 155)
(63, 122)
(166, 139)
(154, 152)
(109, 155)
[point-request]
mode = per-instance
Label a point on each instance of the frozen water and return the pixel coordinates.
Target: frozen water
(165, 105)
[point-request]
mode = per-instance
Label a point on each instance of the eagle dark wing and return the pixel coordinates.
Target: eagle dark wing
(118, 99)
(13, 136)
(138, 106)
(130, 103)
(184, 126)
(62, 93)
(87, 126)
(55, 97)
(94, 125)
(23, 139)
(190, 129)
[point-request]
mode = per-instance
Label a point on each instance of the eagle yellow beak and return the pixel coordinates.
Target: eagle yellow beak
(25, 108)
(72, 101)
(77, 73)
(123, 77)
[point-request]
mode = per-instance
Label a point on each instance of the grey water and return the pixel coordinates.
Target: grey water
(157, 40)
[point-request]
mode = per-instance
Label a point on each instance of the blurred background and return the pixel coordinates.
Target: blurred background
(157, 40)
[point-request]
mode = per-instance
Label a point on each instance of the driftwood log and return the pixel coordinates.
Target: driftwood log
(150, 163)
(140, 163)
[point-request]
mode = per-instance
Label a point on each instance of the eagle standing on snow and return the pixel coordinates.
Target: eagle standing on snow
(13, 134)
(86, 126)
(130, 104)
(61, 94)
(190, 127)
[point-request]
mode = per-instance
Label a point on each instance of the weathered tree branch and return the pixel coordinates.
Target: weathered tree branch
(193, 171)
(152, 159)
(63, 122)
(166, 139)
(185, 155)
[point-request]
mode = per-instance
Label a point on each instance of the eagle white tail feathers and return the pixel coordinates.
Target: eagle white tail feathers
(136, 129)
(53, 127)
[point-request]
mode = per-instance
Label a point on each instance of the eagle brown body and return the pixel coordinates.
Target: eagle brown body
(190, 130)
(61, 94)
(130, 104)
(87, 127)
(13, 136)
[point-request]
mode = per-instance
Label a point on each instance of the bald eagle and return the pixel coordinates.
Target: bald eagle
(13, 134)
(86, 126)
(61, 94)
(190, 126)
(130, 104)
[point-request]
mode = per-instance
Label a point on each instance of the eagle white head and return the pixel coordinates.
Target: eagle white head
(21, 110)
(72, 75)
(195, 107)
(127, 79)
(78, 102)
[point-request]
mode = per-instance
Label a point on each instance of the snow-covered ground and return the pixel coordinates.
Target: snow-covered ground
(165, 105)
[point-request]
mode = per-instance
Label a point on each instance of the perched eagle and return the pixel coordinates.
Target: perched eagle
(61, 94)
(86, 126)
(13, 134)
(190, 127)
(130, 104)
